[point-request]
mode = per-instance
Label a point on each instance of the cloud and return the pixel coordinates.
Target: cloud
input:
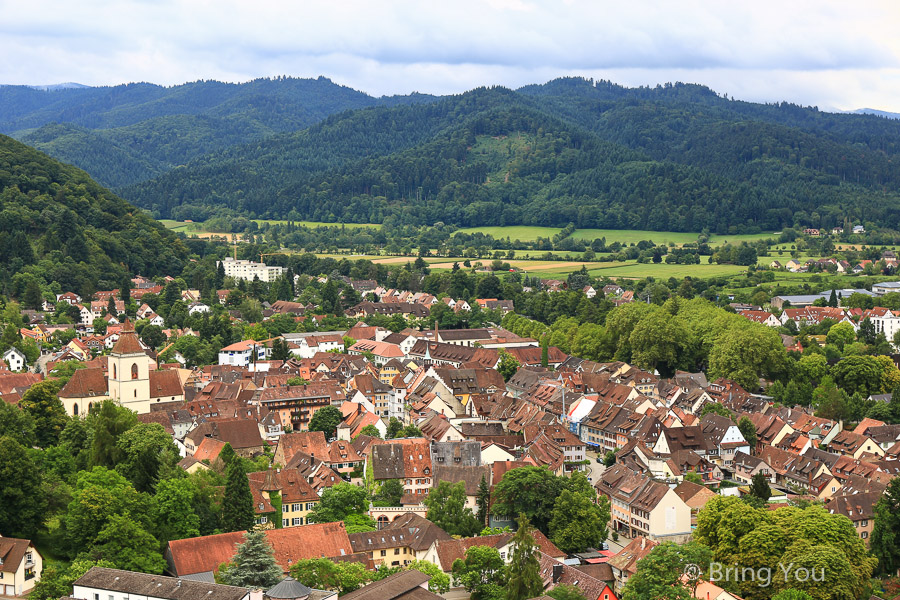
(810, 52)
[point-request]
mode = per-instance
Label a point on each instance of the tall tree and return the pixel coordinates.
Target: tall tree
(125, 290)
(22, 500)
(237, 506)
(885, 540)
(529, 490)
(481, 572)
(577, 522)
(483, 501)
(253, 566)
(748, 430)
(47, 411)
(524, 567)
(145, 449)
(446, 503)
(326, 420)
(172, 507)
(340, 501)
(759, 488)
(110, 422)
(128, 546)
(660, 573)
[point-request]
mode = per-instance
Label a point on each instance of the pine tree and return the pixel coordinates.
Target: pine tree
(237, 506)
(760, 487)
(253, 566)
(220, 276)
(483, 501)
(545, 351)
(524, 567)
(111, 307)
(125, 289)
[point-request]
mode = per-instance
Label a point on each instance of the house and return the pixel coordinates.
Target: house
(242, 353)
(242, 434)
(641, 506)
(296, 404)
(114, 584)
(400, 542)
(405, 585)
(695, 496)
(859, 508)
(298, 498)
(624, 564)
(746, 466)
(406, 459)
(203, 555)
(15, 358)
(761, 316)
(854, 444)
(21, 566)
(380, 352)
(555, 572)
(444, 552)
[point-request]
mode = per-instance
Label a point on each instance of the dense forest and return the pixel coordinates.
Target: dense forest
(130, 133)
(674, 157)
(56, 224)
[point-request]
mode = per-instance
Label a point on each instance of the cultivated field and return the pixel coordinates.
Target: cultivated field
(527, 233)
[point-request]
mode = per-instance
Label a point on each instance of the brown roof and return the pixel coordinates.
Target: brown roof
(309, 442)
(12, 381)
(165, 383)
(694, 494)
(471, 476)
(208, 449)
(128, 342)
(626, 560)
(240, 433)
(294, 487)
(131, 583)
(409, 530)
(85, 383)
(402, 459)
(206, 553)
(12, 550)
(405, 585)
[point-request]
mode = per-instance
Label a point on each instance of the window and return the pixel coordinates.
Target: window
(115, 376)
(310, 506)
(264, 520)
(295, 507)
(296, 521)
(384, 552)
(134, 371)
(285, 522)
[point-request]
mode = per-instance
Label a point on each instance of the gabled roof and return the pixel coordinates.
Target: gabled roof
(131, 583)
(12, 550)
(206, 553)
(405, 585)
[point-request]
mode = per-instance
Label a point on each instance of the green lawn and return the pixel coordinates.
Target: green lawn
(198, 228)
(633, 270)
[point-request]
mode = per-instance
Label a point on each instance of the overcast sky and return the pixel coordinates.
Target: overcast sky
(835, 55)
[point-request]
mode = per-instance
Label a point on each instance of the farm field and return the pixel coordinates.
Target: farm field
(634, 270)
(527, 233)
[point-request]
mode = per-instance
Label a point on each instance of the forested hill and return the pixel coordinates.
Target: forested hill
(572, 150)
(58, 225)
(676, 157)
(129, 133)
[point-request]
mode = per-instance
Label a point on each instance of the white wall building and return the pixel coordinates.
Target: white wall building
(248, 269)
(15, 359)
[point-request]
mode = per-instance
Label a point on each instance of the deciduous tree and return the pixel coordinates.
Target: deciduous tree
(446, 503)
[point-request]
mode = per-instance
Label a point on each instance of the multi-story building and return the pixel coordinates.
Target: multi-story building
(248, 270)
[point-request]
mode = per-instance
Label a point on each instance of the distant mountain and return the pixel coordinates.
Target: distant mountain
(128, 133)
(69, 85)
(873, 111)
(593, 153)
(59, 225)
(671, 157)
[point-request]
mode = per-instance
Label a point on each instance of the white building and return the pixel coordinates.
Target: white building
(15, 359)
(241, 353)
(886, 287)
(248, 269)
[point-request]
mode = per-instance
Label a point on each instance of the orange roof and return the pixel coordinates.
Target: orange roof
(205, 554)
(209, 449)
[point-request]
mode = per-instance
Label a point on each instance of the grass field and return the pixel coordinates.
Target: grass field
(633, 270)
(527, 233)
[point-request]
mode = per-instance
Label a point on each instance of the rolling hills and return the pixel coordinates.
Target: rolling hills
(676, 157)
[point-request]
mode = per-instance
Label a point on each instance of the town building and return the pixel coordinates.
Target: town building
(249, 270)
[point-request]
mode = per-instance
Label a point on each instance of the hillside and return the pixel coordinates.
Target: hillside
(58, 225)
(680, 158)
(128, 133)
(674, 157)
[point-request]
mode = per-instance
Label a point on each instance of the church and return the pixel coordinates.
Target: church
(131, 380)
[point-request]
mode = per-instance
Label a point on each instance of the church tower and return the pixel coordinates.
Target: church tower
(129, 372)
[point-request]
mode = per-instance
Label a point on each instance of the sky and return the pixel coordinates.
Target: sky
(834, 55)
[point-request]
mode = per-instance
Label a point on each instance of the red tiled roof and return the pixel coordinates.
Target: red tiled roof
(203, 554)
(128, 342)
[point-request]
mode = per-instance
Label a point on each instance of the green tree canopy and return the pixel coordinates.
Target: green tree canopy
(326, 420)
(531, 491)
(340, 501)
(127, 545)
(237, 506)
(22, 501)
(446, 503)
(482, 573)
(253, 565)
(524, 571)
(46, 410)
(577, 522)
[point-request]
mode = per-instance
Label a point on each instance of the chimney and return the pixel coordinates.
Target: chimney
(557, 572)
(643, 542)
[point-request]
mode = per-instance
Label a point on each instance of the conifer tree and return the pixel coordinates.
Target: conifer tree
(253, 566)
(237, 506)
(524, 568)
(483, 500)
